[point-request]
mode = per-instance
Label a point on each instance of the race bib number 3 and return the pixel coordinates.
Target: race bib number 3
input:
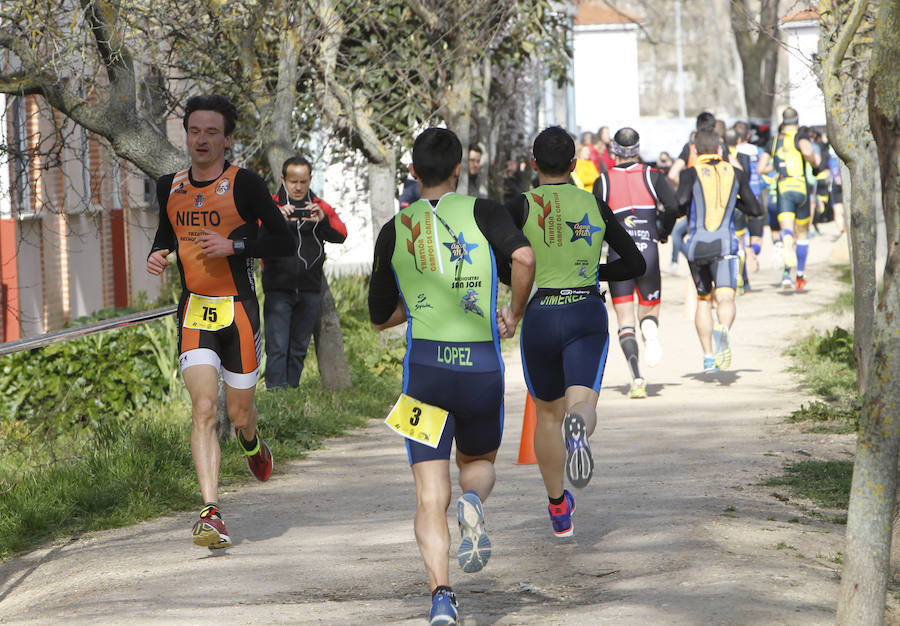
(205, 313)
(417, 421)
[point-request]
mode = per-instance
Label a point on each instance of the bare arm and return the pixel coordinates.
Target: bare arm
(396, 318)
(508, 317)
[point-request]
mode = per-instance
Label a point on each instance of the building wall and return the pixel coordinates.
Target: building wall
(605, 75)
(802, 42)
(83, 224)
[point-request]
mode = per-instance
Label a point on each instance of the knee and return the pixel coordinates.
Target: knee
(203, 409)
(240, 416)
(433, 501)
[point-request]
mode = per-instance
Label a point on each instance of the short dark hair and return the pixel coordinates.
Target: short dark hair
(626, 136)
(474, 146)
(553, 150)
(436, 153)
(742, 129)
(212, 102)
(706, 121)
(790, 116)
(294, 161)
(707, 141)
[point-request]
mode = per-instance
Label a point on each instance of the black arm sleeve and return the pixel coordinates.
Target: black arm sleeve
(632, 263)
(254, 203)
(746, 201)
(498, 226)
(666, 199)
(685, 190)
(384, 294)
(165, 234)
(517, 208)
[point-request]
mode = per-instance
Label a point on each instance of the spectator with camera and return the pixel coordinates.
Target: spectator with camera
(293, 285)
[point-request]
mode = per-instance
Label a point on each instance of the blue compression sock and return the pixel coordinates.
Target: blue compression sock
(802, 253)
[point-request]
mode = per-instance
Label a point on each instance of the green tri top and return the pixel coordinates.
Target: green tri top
(445, 271)
(565, 229)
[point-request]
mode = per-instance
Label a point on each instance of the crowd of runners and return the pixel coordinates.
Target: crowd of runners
(588, 228)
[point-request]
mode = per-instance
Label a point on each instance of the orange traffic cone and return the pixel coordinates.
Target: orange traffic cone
(526, 446)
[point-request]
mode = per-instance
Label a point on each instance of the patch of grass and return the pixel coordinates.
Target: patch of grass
(140, 467)
(827, 483)
(827, 367)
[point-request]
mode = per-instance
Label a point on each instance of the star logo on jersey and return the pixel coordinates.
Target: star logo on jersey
(198, 200)
(459, 249)
(583, 229)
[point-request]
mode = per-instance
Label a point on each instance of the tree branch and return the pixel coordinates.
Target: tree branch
(847, 34)
(428, 17)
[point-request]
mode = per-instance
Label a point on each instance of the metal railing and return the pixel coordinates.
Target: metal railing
(86, 329)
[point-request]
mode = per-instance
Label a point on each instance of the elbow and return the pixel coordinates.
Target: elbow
(524, 257)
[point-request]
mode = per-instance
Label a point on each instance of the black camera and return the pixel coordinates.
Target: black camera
(300, 213)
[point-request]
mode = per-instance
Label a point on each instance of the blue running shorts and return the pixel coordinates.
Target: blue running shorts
(465, 379)
(565, 339)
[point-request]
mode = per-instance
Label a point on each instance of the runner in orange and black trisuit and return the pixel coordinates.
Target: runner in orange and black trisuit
(633, 191)
(709, 193)
(209, 215)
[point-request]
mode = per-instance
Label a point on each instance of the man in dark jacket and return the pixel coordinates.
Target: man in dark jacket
(293, 285)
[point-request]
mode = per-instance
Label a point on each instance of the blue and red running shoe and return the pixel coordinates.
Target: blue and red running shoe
(561, 515)
(579, 462)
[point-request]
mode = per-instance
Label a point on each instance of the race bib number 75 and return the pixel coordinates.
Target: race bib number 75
(417, 421)
(207, 313)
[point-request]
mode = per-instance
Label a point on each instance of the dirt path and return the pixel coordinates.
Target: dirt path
(674, 529)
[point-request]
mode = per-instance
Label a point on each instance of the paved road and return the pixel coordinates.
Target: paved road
(674, 529)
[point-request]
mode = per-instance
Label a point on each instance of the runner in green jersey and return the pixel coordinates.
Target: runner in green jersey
(564, 331)
(436, 265)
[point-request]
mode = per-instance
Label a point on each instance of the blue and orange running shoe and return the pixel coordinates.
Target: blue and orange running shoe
(561, 515)
(475, 547)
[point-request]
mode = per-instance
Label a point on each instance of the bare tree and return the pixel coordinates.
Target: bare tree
(756, 36)
(859, 57)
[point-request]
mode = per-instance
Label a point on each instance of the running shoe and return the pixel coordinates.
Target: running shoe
(209, 531)
(789, 252)
(778, 256)
(801, 282)
(652, 347)
(444, 609)
(259, 459)
(579, 462)
(475, 547)
(638, 389)
(723, 347)
(786, 282)
(709, 365)
(561, 515)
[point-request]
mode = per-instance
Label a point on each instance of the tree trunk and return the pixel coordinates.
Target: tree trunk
(873, 488)
(845, 81)
(333, 368)
(382, 192)
(759, 54)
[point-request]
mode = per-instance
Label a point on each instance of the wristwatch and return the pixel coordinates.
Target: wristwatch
(239, 245)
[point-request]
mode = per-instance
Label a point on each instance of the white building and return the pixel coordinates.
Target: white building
(605, 67)
(801, 38)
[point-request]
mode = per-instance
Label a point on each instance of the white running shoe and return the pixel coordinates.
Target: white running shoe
(778, 256)
(652, 347)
